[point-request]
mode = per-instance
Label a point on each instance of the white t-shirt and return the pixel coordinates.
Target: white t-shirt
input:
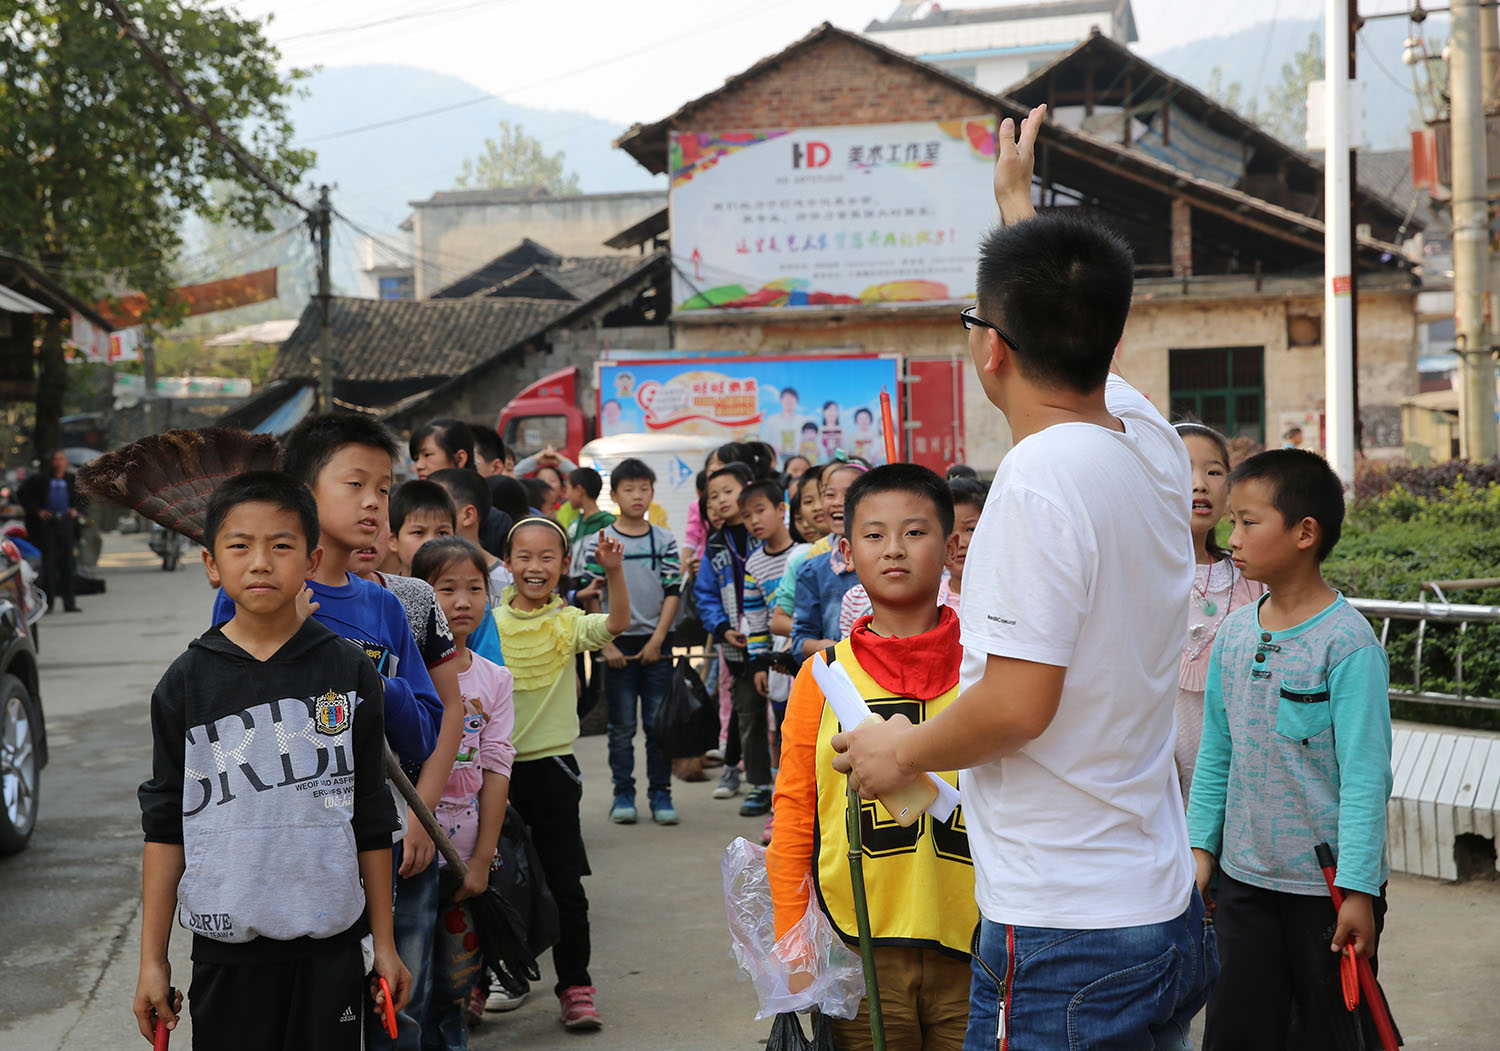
(1083, 559)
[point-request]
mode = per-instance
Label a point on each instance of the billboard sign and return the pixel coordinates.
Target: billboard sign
(838, 216)
(813, 406)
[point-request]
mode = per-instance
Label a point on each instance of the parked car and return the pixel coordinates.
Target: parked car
(23, 733)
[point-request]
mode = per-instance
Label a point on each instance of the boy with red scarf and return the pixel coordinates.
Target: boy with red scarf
(904, 657)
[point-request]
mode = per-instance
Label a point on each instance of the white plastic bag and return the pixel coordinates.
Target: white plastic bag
(838, 982)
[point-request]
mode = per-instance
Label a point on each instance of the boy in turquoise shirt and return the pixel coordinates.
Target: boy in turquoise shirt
(1296, 751)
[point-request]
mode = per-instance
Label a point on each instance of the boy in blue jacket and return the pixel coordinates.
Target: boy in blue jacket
(719, 589)
(1296, 751)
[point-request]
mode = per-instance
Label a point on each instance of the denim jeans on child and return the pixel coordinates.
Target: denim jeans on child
(415, 904)
(649, 684)
(1121, 987)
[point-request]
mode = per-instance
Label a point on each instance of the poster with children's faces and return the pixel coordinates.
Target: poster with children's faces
(815, 407)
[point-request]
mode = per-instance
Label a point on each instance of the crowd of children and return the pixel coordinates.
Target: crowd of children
(1025, 641)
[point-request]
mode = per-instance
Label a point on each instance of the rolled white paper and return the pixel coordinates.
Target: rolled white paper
(850, 709)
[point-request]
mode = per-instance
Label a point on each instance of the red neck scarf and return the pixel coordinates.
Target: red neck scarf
(920, 667)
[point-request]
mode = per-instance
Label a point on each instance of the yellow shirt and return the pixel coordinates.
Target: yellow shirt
(539, 646)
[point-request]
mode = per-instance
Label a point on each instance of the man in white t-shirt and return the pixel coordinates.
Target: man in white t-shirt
(1092, 932)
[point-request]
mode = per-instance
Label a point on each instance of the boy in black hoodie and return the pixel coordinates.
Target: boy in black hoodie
(268, 824)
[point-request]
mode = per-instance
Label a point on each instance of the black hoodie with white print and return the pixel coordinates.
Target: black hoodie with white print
(272, 776)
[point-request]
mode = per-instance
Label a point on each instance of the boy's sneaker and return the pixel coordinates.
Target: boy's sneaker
(758, 802)
(662, 811)
(729, 783)
(508, 994)
(578, 1010)
(623, 812)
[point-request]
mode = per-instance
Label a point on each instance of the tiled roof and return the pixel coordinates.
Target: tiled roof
(533, 271)
(502, 268)
(410, 340)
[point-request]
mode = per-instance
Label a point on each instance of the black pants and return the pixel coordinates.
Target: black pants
(315, 1003)
(56, 542)
(1274, 956)
(547, 792)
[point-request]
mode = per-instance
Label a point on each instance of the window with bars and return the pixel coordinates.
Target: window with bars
(1223, 387)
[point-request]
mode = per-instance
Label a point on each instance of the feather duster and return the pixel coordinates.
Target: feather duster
(169, 477)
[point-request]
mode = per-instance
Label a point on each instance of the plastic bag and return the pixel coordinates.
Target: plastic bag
(838, 981)
(687, 723)
(787, 1035)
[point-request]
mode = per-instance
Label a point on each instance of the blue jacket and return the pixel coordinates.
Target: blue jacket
(820, 593)
(719, 590)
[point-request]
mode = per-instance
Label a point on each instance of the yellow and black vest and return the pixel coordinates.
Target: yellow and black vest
(919, 879)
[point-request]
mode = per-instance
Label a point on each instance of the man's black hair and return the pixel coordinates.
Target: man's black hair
(1302, 486)
(737, 470)
(418, 495)
(900, 478)
(772, 491)
(787, 390)
(1060, 286)
(509, 496)
(453, 437)
(969, 492)
(589, 478)
(277, 488)
(466, 487)
(316, 440)
(961, 470)
(488, 445)
(864, 410)
(631, 470)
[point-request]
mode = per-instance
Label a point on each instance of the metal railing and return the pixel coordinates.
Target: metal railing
(1423, 613)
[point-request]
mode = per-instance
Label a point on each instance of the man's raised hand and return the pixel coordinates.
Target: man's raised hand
(1015, 160)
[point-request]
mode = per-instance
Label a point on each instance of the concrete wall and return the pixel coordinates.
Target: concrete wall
(457, 234)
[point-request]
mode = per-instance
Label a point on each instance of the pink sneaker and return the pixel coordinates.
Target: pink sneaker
(474, 1012)
(578, 1010)
(765, 836)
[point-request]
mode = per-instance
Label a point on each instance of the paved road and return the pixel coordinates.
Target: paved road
(68, 905)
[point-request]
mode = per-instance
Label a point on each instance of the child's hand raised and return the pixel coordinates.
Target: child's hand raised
(306, 604)
(611, 554)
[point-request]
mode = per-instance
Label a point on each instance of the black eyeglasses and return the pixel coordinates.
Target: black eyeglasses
(970, 319)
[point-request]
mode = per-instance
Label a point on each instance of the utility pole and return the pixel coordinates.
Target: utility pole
(1338, 299)
(1489, 38)
(1471, 246)
(324, 219)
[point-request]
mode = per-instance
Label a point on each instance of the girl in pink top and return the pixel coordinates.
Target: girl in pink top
(472, 809)
(1218, 588)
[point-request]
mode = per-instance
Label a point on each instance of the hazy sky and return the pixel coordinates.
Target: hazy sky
(638, 60)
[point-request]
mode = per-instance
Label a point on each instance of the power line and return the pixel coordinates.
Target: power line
(233, 148)
(744, 13)
(389, 20)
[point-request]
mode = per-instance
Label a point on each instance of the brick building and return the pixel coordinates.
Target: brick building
(1227, 316)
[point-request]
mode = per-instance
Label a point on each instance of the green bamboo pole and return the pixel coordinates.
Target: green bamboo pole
(862, 918)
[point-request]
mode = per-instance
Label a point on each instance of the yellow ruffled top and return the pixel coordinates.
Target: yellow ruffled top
(537, 644)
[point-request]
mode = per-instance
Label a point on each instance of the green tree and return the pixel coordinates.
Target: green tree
(99, 161)
(1285, 115)
(516, 159)
(1229, 96)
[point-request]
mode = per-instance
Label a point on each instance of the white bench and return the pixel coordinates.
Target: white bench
(1447, 783)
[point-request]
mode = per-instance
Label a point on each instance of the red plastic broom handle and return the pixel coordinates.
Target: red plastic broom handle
(888, 425)
(1367, 983)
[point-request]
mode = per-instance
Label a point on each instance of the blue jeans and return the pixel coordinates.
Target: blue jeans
(1124, 988)
(415, 915)
(622, 688)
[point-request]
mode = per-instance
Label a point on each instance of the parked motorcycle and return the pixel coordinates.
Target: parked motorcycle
(168, 544)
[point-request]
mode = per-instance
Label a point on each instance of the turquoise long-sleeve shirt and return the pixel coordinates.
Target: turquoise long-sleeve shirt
(1296, 751)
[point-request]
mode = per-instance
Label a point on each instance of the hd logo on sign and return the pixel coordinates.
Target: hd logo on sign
(811, 155)
(331, 713)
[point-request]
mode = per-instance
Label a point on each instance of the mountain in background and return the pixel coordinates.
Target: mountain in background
(377, 173)
(1253, 58)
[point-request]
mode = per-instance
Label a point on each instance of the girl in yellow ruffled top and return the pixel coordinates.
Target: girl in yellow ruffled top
(539, 636)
